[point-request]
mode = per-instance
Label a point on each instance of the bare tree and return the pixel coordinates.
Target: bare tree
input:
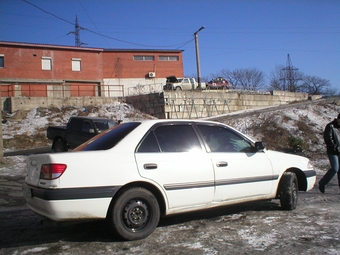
(316, 86)
(286, 80)
(229, 76)
(249, 78)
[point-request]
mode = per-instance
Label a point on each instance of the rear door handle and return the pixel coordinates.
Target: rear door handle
(150, 166)
(221, 164)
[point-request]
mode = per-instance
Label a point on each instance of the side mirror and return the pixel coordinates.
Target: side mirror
(259, 146)
(91, 131)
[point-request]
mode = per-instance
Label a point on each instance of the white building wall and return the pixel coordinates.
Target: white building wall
(134, 86)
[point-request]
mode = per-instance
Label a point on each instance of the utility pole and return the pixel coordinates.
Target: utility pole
(198, 59)
(76, 32)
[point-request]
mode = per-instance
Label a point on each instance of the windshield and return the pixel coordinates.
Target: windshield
(108, 138)
(102, 125)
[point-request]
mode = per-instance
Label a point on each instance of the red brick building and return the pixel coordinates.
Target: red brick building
(39, 70)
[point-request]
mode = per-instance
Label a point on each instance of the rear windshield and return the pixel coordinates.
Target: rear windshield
(108, 138)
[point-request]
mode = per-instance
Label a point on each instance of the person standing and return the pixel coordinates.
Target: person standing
(332, 139)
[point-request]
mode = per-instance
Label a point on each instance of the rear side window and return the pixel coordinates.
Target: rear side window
(171, 138)
(109, 138)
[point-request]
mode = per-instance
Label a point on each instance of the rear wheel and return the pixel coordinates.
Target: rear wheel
(60, 146)
(134, 214)
(288, 191)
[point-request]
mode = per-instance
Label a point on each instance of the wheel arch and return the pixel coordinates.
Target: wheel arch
(148, 186)
(57, 138)
(301, 178)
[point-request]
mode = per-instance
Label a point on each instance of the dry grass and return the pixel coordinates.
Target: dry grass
(21, 142)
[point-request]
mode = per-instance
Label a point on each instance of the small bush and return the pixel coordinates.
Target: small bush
(296, 144)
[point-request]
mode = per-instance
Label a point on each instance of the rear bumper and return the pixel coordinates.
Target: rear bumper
(66, 204)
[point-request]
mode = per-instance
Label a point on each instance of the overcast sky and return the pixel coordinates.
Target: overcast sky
(238, 33)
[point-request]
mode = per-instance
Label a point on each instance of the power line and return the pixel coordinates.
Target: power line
(105, 36)
(91, 20)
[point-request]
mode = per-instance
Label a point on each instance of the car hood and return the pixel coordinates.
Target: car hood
(287, 160)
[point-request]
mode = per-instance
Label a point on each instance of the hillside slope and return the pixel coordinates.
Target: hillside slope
(296, 128)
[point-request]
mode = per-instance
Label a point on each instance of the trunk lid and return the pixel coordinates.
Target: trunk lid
(34, 163)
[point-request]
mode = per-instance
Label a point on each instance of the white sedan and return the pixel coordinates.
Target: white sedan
(138, 171)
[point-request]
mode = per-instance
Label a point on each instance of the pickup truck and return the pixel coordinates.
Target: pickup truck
(77, 131)
(173, 83)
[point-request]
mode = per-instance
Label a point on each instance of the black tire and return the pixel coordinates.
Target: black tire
(134, 214)
(288, 191)
(178, 88)
(60, 146)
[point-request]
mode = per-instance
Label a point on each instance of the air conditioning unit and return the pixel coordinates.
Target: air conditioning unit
(152, 74)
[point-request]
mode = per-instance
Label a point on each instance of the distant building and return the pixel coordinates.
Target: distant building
(43, 70)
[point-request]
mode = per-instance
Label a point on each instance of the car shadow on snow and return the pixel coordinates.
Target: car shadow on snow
(217, 212)
(24, 228)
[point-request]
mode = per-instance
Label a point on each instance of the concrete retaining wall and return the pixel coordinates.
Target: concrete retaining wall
(170, 105)
(206, 104)
(13, 104)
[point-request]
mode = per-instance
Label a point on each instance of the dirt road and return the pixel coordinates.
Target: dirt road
(252, 228)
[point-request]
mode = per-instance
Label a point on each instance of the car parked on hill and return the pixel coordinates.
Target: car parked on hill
(173, 83)
(218, 83)
(138, 171)
(78, 130)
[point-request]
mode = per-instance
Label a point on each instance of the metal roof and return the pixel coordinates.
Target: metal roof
(40, 45)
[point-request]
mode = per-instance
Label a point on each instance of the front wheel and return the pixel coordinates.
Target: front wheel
(134, 214)
(288, 191)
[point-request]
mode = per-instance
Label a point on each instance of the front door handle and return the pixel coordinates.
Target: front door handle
(150, 166)
(221, 164)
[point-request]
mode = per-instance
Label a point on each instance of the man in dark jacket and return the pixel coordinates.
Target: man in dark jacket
(332, 139)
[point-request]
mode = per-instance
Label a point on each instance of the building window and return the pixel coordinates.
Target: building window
(46, 63)
(168, 58)
(76, 64)
(144, 58)
(2, 61)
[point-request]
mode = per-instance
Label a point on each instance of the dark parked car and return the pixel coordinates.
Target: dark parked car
(77, 131)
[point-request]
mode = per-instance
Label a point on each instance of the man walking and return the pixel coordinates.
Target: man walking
(332, 139)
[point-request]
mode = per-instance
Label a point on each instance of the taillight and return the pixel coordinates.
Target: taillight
(52, 171)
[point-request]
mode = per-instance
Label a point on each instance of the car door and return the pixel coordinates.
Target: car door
(186, 84)
(240, 171)
(173, 157)
(81, 132)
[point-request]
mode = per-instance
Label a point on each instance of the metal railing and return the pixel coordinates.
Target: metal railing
(145, 89)
(61, 90)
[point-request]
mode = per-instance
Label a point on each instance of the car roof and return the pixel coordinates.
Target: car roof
(92, 118)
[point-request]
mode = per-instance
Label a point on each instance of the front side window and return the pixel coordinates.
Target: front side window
(46, 63)
(143, 58)
(76, 64)
(220, 139)
(2, 61)
(86, 126)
